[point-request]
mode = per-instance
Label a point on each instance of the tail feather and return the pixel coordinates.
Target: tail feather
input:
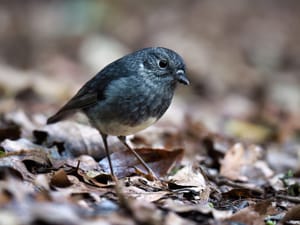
(80, 101)
(60, 115)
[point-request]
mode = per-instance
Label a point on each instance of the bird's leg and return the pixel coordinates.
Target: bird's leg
(144, 164)
(104, 138)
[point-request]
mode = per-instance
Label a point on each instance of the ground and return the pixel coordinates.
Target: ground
(226, 152)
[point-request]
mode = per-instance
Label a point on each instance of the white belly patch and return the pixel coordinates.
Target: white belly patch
(117, 129)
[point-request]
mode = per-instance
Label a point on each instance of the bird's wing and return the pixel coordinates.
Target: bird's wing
(82, 99)
(91, 92)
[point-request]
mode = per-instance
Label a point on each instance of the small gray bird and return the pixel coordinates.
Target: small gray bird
(128, 95)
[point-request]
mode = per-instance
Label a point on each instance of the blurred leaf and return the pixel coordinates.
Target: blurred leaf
(254, 214)
(241, 193)
(60, 179)
(256, 133)
(191, 180)
(293, 214)
(9, 131)
(232, 163)
(74, 139)
(245, 164)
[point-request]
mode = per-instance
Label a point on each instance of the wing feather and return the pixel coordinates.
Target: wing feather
(93, 91)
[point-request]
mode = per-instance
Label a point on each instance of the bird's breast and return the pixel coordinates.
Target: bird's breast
(130, 106)
(119, 129)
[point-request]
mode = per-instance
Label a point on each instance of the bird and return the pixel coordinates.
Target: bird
(128, 95)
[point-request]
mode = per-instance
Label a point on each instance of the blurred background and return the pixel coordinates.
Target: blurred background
(243, 57)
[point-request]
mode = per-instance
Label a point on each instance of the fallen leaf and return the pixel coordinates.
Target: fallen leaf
(7, 172)
(60, 179)
(232, 163)
(293, 214)
(249, 131)
(142, 212)
(24, 146)
(239, 163)
(254, 214)
(241, 193)
(199, 213)
(189, 179)
(9, 131)
(145, 190)
(174, 219)
(74, 139)
(161, 161)
(27, 162)
(158, 136)
(16, 164)
(83, 162)
(96, 178)
(145, 195)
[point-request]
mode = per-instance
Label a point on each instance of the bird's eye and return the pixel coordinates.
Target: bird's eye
(163, 63)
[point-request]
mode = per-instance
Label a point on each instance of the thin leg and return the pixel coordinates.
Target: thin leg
(149, 170)
(104, 138)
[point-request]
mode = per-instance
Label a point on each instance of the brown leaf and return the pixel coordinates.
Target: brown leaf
(95, 178)
(157, 136)
(142, 212)
(9, 131)
(22, 151)
(293, 214)
(232, 162)
(5, 197)
(240, 163)
(60, 179)
(255, 214)
(160, 160)
(240, 193)
(74, 139)
(174, 219)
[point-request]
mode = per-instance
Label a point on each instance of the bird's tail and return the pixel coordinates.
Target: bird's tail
(60, 115)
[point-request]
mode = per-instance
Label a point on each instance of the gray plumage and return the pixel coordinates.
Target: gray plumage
(129, 94)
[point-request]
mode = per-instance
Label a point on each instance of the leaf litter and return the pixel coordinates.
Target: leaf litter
(59, 176)
(226, 152)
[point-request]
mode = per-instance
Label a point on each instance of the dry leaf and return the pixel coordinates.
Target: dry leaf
(239, 163)
(74, 139)
(160, 161)
(232, 163)
(60, 179)
(255, 133)
(174, 219)
(255, 214)
(190, 179)
(16, 164)
(9, 131)
(293, 214)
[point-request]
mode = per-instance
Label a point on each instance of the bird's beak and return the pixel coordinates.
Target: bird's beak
(181, 77)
